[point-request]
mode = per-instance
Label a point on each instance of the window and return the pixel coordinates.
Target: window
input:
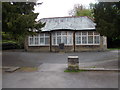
(58, 40)
(84, 37)
(90, 37)
(31, 41)
(62, 37)
(78, 38)
(87, 38)
(37, 40)
(97, 40)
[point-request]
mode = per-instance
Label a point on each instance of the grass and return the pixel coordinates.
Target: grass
(29, 69)
(113, 48)
(93, 67)
(7, 41)
(74, 70)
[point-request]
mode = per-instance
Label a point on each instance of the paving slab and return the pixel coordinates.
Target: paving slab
(54, 78)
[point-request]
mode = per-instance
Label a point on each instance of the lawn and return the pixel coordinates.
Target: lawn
(113, 48)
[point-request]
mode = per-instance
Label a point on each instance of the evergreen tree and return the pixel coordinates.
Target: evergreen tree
(107, 19)
(18, 20)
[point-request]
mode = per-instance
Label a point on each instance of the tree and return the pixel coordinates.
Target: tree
(107, 19)
(80, 10)
(18, 20)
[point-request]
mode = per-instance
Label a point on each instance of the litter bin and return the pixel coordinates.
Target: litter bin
(73, 63)
(61, 46)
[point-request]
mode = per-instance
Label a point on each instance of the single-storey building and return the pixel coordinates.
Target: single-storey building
(67, 34)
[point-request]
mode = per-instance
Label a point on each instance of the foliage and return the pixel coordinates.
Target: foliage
(18, 20)
(107, 18)
(80, 10)
(74, 70)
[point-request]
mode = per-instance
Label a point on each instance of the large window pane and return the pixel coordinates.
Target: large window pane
(54, 40)
(31, 40)
(90, 33)
(69, 33)
(78, 33)
(78, 40)
(69, 40)
(58, 33)
(96, 40)
(84, 39)
(90, 39)
(96, 33)
(36, 41)
(46, 35)
(42, 35)
(42, 40)
(58, 40)
(46, 40)
(64, 33)
(84, 33)
(64, 39)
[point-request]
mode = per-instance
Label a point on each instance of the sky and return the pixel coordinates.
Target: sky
(58, 8)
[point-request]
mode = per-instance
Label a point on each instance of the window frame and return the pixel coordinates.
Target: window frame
(39, 44)
(77, 35)
(62, 35)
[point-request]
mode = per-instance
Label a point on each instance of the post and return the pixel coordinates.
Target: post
(73, 63)
(74, 40)
(50, 42)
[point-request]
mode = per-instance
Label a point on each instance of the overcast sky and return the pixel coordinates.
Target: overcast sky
(58, 8)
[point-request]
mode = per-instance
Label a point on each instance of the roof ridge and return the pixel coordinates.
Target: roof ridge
(62, 17)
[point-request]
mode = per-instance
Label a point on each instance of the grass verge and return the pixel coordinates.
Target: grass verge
(113, 48)
(74, 70)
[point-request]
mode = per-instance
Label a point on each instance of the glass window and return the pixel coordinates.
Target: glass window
(46, 40)
(69, 40)
(84, 39)
(64, 39)
(54, 40)
(36, 40)
(69, 33)
(90, 39)
(64, 33)
(78, 40)
(42, 40)
(42, 35)
(58, 40)
(84, 33)
(78, 33)
(96, 33)
(96, 40)
(90, 33)
(58, 33)
(46, 35)
(31, 41)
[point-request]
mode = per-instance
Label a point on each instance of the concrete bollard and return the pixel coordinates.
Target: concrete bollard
(73, 63)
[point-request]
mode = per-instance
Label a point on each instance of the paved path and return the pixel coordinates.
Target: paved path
(56, 78)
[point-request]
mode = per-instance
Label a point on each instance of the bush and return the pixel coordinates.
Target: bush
(7, 46)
